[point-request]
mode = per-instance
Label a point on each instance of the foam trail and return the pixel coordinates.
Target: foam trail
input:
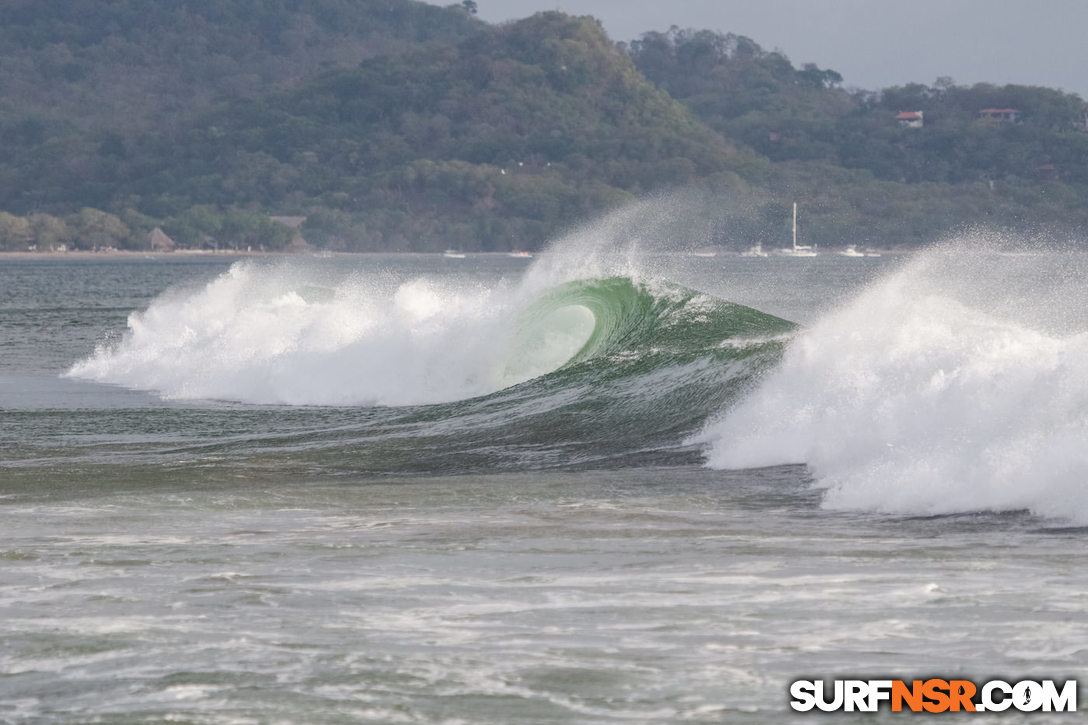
(276, 335)
(926, 395)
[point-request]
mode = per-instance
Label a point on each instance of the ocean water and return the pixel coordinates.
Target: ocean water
(615, 483)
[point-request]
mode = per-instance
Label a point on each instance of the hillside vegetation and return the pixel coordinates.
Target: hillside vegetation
(864, 178)
(128, 64)
(395, 125)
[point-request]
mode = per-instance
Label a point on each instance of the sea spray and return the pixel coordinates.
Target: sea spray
(959, 383)
(644, 241)
(651, 359)
(285, 334)
(291, 333)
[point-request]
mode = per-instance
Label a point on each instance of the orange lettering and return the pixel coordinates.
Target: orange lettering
(912, 696)
(961, 692)
(935, 691)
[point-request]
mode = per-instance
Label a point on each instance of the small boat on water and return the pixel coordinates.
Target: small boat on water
(756, 251)
(453, 254)
(852, 251)
(797, 250)
(520, 254)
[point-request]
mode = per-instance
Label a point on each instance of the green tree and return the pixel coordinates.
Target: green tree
(242, 229)
(15, 232)
(50, 232)
(96, 229)
(139, 225)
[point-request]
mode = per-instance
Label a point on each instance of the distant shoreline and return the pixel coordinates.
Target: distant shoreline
(88, 254)
(136, 254)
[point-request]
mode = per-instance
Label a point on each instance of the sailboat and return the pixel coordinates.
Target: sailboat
(798, 250)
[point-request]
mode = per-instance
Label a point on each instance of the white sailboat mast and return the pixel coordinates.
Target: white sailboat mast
(795, 226)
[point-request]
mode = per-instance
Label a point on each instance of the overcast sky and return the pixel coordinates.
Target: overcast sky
(872, 43)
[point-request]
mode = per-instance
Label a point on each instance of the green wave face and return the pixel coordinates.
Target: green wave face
(647, 364)
(600, 372)
(636, 327)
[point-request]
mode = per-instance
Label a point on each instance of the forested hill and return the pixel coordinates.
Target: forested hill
(392, 124)
(125, 64)
(861, 174)
(758, 98)
(499, 140)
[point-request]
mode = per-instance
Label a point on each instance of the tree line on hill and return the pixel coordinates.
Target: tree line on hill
(92, 229)
(404, 126)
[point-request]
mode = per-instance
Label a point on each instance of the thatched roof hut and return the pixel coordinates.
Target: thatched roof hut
(157, 241)
(297, 244)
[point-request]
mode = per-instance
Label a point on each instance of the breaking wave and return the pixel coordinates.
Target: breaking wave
(276, 336)
(959, 383)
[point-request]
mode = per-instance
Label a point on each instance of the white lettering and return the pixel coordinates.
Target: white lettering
(1064, 701)
(821, 698)
(879, 690)
(992, 705)
(856, 695)
(804, 695)
(1027, 696)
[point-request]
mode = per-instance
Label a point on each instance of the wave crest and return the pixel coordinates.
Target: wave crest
(912, 400)
(284, 335)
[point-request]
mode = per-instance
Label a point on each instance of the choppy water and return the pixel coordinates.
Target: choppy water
(604, 485)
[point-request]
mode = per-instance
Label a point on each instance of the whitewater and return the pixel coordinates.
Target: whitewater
(615, 483)
(930, 394)
(935, 390)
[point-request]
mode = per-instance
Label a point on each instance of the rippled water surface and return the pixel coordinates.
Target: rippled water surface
(197, 529)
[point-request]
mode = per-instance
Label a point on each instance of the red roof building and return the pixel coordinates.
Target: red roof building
(910, 119)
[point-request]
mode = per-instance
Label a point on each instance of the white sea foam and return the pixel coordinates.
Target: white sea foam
(262, 334)
(286, 335)
(958, 384)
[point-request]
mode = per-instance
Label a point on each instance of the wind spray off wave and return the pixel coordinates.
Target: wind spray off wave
(591, 356)
(288, 335)
(282, 335)
(938, 390)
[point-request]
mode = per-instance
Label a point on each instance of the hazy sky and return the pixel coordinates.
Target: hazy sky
(872, 43)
